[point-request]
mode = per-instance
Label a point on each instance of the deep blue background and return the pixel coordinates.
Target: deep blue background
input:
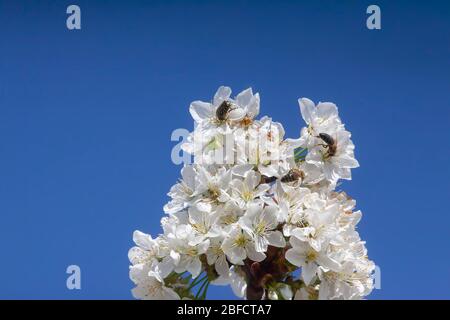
(86, 118)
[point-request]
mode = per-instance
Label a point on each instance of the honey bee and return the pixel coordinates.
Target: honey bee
(266, 179)
(331, 144)
(293, 175)
(223, 110)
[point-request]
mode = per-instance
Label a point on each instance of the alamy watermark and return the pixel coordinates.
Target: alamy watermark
(373, 22)
(74, 279)
(224, 148)
(73, 21)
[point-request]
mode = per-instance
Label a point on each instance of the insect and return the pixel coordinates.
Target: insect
(266, 179)
(331, 144)
(223, 110)
(293, 175)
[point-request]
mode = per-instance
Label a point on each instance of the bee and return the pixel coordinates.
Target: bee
(293, 175)
(223, 110)
(331, 144)
(266, 179)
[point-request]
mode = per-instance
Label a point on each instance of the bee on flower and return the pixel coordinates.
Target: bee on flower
(257, 211)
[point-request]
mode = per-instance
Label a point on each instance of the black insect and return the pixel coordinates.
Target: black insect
(293, 175)
(223, 110)
(266, 179)
(331, 144)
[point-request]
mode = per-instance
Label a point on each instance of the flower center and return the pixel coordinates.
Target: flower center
(311, 256)
(213, 193)
(192, 252)
(217, 250)
(200, 228)
(240, 241)
(247, 195)
(229, 219)
(260, 228)
(154, 288)
(246, 121)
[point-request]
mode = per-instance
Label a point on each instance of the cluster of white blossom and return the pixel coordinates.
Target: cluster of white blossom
(257, 211)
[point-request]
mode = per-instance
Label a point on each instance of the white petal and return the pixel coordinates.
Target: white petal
(253, 107)
(296, 243)
(221, 281)
(241, 170)
(238, 283)
(302, 233)
(136, 255)
(286, 292)
(211, 257)
(261, 244)
(269, 215)
(328, 263)
(203, 247)
(273, 295)
(223, 93)
(195, 267)
(237, 185)
(325, 291)
(138, 273)
(261, 189)
(155, 276)
(254, 255)
(143, 240)
(237, 255)
(236, 114)
(139, 292)
(222, 266)
(175, 256)
(295, 143)
(308, 272)
(276, 239)
(295, 257)
(169, 294)
(165, 267)
(306, 109)
(200, 111)
(327, 110)
(252, 179)
(268, 171)
(188, 173)
(244, 97)
(346, 161)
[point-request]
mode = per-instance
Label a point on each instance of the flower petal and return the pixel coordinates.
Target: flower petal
(306, 109)
(195, 267)
(295, 257)
(253, 107)
(223, 93)
(143, 240)
(201, 111)
(276, 239)
(236, 114)
(308, 272)
(222, 266)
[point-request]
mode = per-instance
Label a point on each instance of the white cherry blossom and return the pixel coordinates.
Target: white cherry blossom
(238, 245)
(261, 222)
(152, 288)
(303, 255)
(257, 211)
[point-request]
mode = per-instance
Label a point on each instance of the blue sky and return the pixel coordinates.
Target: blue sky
(86, 118)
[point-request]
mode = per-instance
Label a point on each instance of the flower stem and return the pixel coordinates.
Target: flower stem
(197, 281)
(203, 296)
(200, 291)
